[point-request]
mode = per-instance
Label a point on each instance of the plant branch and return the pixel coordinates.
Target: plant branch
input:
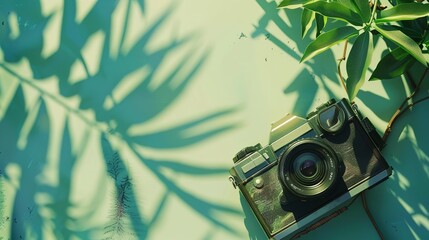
(343, 58)
(374, 8)
(403, 107)
(398, 114)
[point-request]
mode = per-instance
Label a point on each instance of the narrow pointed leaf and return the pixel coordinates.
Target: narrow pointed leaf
(292, 4)
(307, 18)
(412, 33)
(393, 64)
(326, 40)
(335, 10)
(402, 40)
(363, 9)
(349, 4)
(358, 62)
(320, 23)
(405, 11)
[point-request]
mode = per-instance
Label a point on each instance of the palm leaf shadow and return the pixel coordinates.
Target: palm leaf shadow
(150, 103)
(31, 24)
(2, 208)
(181, 136)
(205, 208)
(183, 168)
(114, 69)
(10, 127)
(62, 203)
(65, 226)
(26, 213)
(74, 35)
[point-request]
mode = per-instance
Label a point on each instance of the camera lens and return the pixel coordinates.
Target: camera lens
(308, 168)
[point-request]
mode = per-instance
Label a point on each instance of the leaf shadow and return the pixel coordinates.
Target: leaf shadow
(313, 76)
(381, 105)
(2, 203)
(60, 203)
(205, 208)
(141, 104)
(26, 218)
(405, 191)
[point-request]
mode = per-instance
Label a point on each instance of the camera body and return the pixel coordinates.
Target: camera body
(310, 168)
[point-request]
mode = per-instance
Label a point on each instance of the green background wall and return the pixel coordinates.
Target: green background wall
(119, 119)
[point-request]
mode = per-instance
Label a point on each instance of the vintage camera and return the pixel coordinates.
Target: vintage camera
(310, 168)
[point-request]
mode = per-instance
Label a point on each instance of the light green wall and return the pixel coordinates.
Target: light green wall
(152, 99)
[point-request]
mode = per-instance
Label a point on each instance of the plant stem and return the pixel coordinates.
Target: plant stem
(374, 9)
(368, 213)
(402, 108)
(343, 58)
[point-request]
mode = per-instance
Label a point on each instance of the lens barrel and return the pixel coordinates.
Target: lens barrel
(308, 168)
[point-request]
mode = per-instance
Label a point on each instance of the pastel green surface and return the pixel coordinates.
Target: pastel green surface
(119, 119)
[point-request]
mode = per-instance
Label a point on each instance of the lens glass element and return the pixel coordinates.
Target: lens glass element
(308, 168)
(307, 164)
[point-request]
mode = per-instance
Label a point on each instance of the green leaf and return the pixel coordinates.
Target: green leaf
(404, 1)
(292, 4)
(358, 62)
(349, 4)
(326, 40)
(410, 32)
(363, 9)
(405, 11)
(335, 10)
(393, 64)
(307, 18)
(402, 40)
(426, 40)
(320, 23)
(420, 24)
